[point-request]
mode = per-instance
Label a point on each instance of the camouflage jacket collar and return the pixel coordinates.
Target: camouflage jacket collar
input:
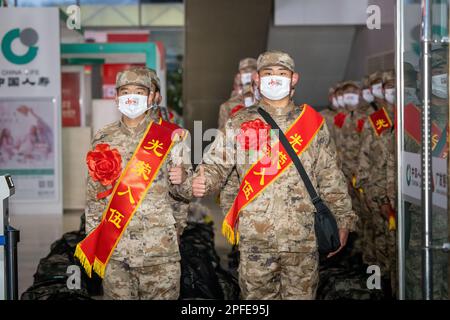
(139, 128)
(274, 111)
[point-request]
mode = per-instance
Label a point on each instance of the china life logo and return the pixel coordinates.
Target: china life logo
(408, 174)
(28, 38)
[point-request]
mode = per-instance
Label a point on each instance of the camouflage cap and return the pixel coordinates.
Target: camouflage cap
(155, 78)
(349, 83)
(134, 75)
(271, 58)
(377, 76)
(247, 63)
(331, 90)
(338, 86)
(439, 57)
(365, 82)
(388, 75)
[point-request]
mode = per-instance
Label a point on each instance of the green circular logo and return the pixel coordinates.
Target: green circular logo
(408, 174)
(28, 37)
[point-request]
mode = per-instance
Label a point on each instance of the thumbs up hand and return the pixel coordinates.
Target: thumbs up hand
(199, 183)
(176, 175)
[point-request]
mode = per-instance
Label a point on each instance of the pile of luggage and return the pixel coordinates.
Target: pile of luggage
(202, 275)
(345, 276)
(52, 274)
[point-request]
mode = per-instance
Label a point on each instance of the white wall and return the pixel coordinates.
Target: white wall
(320, 12)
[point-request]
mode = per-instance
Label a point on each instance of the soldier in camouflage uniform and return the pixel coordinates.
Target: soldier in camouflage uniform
(247, 68)
(330, 112)
(376, 176)
(337, 132)
(413, 212)
(351, 133)
(145, 263)
(279, 258)
(362, 175)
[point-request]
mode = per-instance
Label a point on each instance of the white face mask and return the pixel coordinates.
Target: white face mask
(389, 95)
(340, 101)
(275, 87)
(351, 99)
(133, 105)
(246, 78)
(439, 85)
(335, 103)
(367, 95)
(377, 90)
(248, 101)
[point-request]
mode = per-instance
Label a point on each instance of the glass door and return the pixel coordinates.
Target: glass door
(422, 141)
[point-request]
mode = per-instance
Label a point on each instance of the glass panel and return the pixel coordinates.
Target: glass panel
(411, 157)
(411, 154)
(439, 117)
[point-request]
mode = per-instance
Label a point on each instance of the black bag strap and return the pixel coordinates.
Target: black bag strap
(315, 198)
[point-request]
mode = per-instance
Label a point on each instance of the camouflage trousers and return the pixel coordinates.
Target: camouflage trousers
(157, 282)
(282, 275)
(413, 254)
(357, 207)
(384, 244)
(366, 233)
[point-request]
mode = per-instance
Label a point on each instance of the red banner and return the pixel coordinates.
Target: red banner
(96, 249)
(300, 135)
(380, 121)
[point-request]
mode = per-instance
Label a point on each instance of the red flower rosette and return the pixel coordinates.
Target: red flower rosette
(254, 135)
(105, 166)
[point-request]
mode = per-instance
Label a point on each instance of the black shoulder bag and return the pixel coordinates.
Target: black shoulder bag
(325, 226)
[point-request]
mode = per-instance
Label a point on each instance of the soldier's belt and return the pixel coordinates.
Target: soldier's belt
(300, 134)
(96, 249)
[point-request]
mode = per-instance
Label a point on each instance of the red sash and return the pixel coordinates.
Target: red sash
(300, 135)
(96, 249)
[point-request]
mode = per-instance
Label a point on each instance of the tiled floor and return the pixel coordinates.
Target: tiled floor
(38, 232)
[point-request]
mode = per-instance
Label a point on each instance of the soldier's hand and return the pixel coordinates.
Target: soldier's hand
(199, 183)
(343, 237)
(176, 175)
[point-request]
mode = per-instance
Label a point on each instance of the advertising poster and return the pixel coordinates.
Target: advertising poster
(30, 108)
(27, 147)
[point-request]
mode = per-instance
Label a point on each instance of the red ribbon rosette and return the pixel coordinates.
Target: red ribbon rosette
(254, 135)
(105, 166)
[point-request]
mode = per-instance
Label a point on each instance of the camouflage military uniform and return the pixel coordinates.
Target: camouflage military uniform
(225, 109)
(329, 114)
(351, 144)
(277, 240)
(145, 263)
(340, 139)
(374, 176)
(236, 98)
